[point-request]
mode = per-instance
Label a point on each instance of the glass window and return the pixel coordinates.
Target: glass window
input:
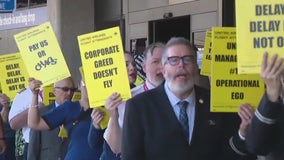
(37, 2)
(22, 3)
(30, 3)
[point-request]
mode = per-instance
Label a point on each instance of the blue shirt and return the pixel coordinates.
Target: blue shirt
(97, 142)
(190, 110)
(66, 114)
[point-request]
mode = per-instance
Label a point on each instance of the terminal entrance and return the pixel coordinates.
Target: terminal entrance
(162, 30)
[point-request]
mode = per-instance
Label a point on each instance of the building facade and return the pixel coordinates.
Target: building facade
(143, 21)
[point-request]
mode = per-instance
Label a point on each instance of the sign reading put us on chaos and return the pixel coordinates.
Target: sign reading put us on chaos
(41, 54)
(104, 66)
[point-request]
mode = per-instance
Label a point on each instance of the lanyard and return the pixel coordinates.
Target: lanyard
(145, 86)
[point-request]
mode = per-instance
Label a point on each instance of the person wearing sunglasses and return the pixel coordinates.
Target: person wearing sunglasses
(66, 89)
(75, 116)
(44, 145)
(173, 120)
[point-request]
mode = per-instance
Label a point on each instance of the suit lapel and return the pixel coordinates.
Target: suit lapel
(173, 125)
(201, 102)
(202, 98)
(166, 109)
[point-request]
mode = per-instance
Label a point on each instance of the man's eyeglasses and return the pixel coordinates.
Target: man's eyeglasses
(186, 60)
(66, 89)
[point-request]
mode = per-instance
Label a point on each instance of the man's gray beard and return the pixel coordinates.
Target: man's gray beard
(180, 89)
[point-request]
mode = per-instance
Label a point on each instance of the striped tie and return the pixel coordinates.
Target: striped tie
(183, 119)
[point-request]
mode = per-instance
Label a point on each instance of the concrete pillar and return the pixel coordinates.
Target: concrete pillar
(70, 18)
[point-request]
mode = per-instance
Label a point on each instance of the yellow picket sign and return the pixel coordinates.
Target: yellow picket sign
(260, 26)
(103, 62)
(41, 54)
(206, 59)
(48, 96)
(228, 88)
(14, 76)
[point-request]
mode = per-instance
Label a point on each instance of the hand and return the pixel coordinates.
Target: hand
(246, 113)
(34, 85)
(97, 116)
(82, 73)
(4, 100)
(112, 103)
(2, 146)
(84, 101)
(41, 105)
(271, 74)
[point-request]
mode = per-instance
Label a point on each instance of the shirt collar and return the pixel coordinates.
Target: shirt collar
(56, 104)
(174, 100)
(149, 85)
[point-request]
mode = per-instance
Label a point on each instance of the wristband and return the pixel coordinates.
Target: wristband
(83, 83)
(34, 106)
(241, 136)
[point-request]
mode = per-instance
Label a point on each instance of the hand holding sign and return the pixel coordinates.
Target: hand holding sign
(34, 85)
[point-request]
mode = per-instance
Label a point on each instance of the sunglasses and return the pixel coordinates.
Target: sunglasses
(66, 89)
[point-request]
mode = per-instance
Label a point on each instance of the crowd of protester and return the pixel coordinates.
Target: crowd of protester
(168, 116)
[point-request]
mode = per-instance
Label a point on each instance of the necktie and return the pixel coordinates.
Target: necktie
(183, 119)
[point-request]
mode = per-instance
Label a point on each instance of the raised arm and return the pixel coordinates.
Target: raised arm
(245, 113)
(84, 101)
(271, 74)
(35, 121)
(113, 131)
(261, 133)
(95, 136)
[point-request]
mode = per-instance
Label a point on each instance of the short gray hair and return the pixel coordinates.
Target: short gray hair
(149, 50)
(176, 41)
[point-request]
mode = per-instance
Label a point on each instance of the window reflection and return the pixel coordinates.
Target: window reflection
(29, 3)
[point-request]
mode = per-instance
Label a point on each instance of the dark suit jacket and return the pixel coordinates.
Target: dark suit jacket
(46, 145)
(267, 139)
(151, 130)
